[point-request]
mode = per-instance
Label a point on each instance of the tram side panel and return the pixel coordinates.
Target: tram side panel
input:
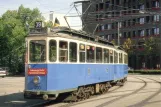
(119, 71)
(42, 85)
(67, 76)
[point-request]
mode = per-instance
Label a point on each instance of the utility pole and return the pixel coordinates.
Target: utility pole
(118, 43)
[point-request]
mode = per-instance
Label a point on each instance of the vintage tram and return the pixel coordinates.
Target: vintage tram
(63, 60)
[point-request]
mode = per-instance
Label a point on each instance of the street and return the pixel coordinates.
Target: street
(139, 91)
(11, 92)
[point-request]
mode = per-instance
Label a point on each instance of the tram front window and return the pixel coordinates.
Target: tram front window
(37, 50)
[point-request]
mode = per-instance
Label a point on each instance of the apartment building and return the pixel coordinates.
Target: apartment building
(103, 17)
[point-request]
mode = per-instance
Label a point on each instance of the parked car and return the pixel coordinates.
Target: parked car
(130, 69)
(3, 72)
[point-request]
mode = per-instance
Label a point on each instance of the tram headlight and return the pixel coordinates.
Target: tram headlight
(36, 80)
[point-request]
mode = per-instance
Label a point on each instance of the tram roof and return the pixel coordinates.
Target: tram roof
(75, 33)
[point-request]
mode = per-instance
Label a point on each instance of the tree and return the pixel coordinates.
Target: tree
(150, 46)
(128, 45)
(12, 36)
(113, 42)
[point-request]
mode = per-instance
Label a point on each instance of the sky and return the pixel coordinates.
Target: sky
(45, 6)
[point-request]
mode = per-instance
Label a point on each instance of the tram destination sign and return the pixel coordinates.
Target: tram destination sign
(37, 71)
(38, 24)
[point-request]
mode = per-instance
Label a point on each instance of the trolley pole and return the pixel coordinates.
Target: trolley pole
(118, 43)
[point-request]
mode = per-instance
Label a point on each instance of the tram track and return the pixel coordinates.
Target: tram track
(109, 102)
(142, 103)
(145, 101)
(53, 102)
(126, 95)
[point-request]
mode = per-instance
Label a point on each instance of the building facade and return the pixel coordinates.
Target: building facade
(137, 21)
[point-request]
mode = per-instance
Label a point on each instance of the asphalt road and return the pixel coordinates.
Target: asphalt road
(11, 93)
(139, 91)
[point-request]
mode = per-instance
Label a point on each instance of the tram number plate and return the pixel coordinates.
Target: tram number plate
(38, 24)
(37, 71)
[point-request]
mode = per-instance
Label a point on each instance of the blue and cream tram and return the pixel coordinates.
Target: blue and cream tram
(63, 60)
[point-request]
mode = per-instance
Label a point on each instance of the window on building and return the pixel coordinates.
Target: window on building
(100, 17)
(147, 32)
(124, 24)
(120, 26)
(155, 31)
(129, 34)
(101, 6)
(141, 20)
(141, 7)
(113, 36)
(106, 26)
(133, 21)
(107, 4)
(147, 19)
(106, 55)
(102, 28)
(90, 54)
(108, 15)
(129, 22)
(63, 51)
(141, 33)
(124, 34)
(113, 26)
(97, 18)
(96, 7)
(134, 33)
(118, 2)
(134, 11)
(52, 50)
(108, 36)
(147, 5)
(82, 52)
(113, 14)
(155, 3)
(98, 55)
(109, 26)
(156, 18)
(72, 52)
(111, 56)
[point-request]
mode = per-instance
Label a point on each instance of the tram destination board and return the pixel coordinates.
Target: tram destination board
(38, 24)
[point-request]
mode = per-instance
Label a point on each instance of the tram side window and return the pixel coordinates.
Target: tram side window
(73, 52)
(82, 53)
(116, 57)
(98, 55)
(90, 54)
(106, 55)
(37, 51)
(111, 56)
(120, 58)
(52, 51)
(63, 51)
(125, 59)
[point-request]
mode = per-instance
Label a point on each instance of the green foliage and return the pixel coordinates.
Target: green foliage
(146, 71)
(49, 24)
(128, 45)
(12, 36)
(150, 45)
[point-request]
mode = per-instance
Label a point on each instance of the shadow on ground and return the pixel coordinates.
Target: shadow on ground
(16, 100)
